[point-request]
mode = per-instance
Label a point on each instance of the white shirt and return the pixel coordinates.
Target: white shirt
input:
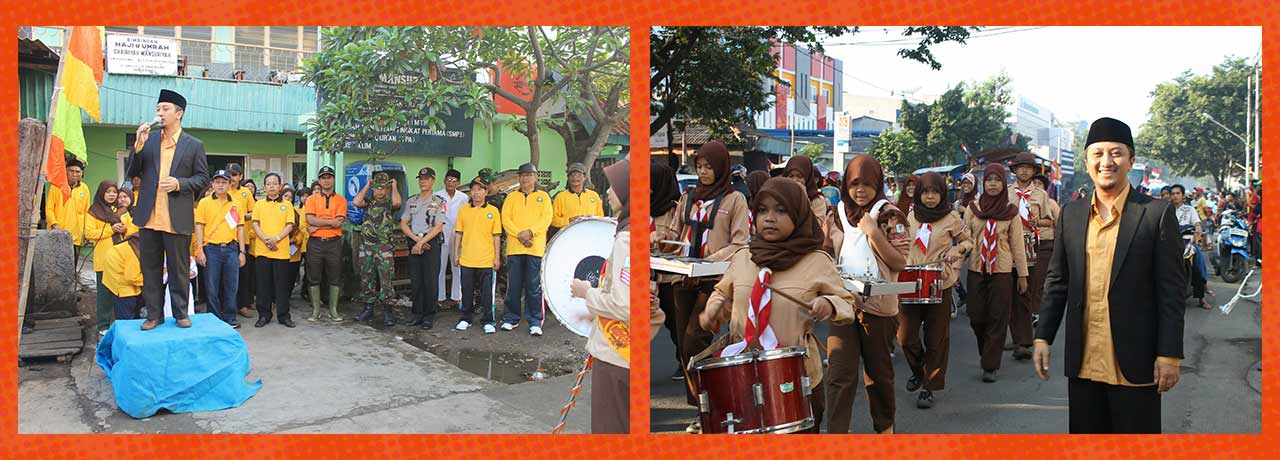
(1187, 215)
(856, 256)
(452, 205)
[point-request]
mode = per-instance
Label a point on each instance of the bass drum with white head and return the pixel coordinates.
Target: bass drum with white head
(578, 251)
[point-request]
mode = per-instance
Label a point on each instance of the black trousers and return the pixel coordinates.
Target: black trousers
(424, 273)
(248, 282)
(158, 249)
(1096, 407)
(273, 287)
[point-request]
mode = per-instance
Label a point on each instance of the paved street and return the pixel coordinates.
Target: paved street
(341, 378)
(1220, 389)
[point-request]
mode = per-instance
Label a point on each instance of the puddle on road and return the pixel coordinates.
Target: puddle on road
(505, 367)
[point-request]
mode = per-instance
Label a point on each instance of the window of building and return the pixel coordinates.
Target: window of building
(160, 31)
(122, 29)
(197, 32)
(310, 38)
(249, 55)
(284, 37)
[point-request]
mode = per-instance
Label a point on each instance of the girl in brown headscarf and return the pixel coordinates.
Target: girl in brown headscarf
(609, 305)
(968, 191)
(863, 247)
(906, 199)
(712, 219)
(785, 255)
(939, 238)
(664, 193)
(800, 169)
(104, 225)
(997, 235)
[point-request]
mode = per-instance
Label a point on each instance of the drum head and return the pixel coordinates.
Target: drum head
(578, 251)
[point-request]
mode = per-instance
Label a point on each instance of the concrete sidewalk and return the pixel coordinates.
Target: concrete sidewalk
(317, 378)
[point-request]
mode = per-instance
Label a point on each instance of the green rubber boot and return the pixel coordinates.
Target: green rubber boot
(333, 302)
(314, 293)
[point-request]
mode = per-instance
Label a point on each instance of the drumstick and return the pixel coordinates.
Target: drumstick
(677, 243)
(786, 296)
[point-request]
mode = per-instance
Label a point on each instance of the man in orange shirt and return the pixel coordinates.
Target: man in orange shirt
(326, 212)
(173, 167)
(1117, 277)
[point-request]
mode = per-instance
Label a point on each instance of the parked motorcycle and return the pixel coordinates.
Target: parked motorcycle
(1233, 246)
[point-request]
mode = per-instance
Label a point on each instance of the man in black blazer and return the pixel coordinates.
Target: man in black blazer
(174, 169)
(1117, 278)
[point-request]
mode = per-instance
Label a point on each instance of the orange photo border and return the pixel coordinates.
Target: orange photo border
(639, 15)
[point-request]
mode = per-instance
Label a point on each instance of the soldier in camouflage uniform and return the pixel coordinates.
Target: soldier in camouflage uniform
(376, 250)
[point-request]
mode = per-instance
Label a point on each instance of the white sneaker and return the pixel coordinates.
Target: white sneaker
(535, 331)
(508, 327)
(462, 325)
(488, 329)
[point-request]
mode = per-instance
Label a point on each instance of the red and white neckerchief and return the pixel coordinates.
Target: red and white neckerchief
(758, 311)
(1024, 211)
(701, 214)
(922, 237)
(653, 227)
(990, 238)
(751, 222)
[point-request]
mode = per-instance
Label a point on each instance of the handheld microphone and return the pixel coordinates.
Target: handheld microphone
(157, 121)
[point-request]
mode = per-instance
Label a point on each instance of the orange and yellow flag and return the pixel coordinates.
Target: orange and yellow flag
(82, 69)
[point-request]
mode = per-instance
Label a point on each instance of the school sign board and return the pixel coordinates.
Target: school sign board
(139, 55)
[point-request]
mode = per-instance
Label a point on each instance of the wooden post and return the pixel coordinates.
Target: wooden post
(37, 200)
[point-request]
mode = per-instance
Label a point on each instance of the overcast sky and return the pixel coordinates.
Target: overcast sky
(1075, 72)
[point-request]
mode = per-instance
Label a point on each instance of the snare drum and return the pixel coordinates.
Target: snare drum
(758, 392)
(930, 286)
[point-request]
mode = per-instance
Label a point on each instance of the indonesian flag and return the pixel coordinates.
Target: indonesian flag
(758, 311)
(232, 217)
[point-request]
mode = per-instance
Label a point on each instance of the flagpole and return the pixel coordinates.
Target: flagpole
(39, 190)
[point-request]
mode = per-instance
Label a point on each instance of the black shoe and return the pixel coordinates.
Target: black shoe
(235, 325)
(988, 376)
(925, 399)
(913, 384)
(417, 321)
(388, 319)
(426, 325)
(262, 321)
(678, 375)
(365, 314)
(1021, 353)
(286, 322)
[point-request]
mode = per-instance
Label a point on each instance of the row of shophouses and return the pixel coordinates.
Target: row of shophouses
(247, 104)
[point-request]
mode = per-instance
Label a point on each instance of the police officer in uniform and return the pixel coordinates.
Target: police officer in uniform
(423, 224)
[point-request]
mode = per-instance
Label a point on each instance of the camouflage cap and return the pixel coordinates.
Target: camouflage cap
(381, 180)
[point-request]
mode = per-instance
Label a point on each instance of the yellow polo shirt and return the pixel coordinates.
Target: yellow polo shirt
(522, 212)
(99, 233)
(68, 215)
(301, 236)
(123, 276)
(273, 216)
(212, 212)
(568, 205)
(478, 225)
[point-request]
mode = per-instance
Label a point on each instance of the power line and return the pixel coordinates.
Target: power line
(992, 32)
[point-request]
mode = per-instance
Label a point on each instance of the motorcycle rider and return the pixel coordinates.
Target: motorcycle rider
(1187, 216)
